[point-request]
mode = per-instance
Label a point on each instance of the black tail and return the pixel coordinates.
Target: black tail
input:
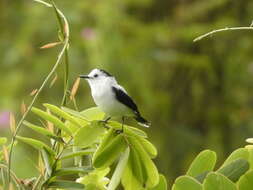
(142, 121)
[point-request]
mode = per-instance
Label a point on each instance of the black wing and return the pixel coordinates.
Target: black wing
(125, 99)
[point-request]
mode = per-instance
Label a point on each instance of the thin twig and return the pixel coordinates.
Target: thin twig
(14, 177)
(37, 182)
(222, 30)
(58, 61)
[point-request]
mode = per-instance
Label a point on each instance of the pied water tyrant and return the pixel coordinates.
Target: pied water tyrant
(112, 98)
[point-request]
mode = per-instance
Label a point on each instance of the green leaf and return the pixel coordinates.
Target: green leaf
(63, 114)
(115, 180)
(106, 139)
(110, 153)
(57, 122)
(3, 140)
(132, 177)
(250, 159)
(148, 146)
(40, 130)
(235, 169)
(127, 129)
(58, 16)
(93, 113)
(239, 153)
(202, 176)
(71, 171)
(246, 181)
(95, 180)
(65, 184)
(162, 185)
(150, 168)
(48, 161)
(78, 153)
(186, 183)
(216, 181)
(87, 135)
(75, 113)
(36, 144)
(205, 161)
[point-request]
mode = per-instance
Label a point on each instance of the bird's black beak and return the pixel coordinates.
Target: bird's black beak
(84, 76)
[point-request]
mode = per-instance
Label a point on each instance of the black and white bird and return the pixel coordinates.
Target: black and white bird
(112, 98)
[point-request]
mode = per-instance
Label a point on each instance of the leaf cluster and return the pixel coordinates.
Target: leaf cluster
(234, 174)
(98, 149)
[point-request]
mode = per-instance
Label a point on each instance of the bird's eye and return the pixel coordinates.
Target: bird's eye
(95, 75)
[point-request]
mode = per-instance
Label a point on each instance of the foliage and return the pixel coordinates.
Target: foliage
(234, 174)
(103, 143)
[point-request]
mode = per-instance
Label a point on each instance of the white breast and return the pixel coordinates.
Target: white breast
(105, 99)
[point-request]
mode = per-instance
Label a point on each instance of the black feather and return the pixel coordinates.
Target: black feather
(105, 72)
(122, 97)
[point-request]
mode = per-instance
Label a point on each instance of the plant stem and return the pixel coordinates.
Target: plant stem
(221, 30)
(58, 61)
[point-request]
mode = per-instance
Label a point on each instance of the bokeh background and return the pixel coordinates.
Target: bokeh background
(197, 95)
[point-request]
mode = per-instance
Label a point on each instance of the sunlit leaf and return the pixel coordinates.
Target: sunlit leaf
(93, 113)
(115, 180)
(238, 153)
(129, 179)
(62, 114)
(186, 183)
(78, 153)
(204, 162)
(162, 185)
(36, 144)
(246, 181)
(107, 138)
(110, 153)
(218, 182)
(151, 170)
(127, 129)
(75, 113)
(57, 122)
(235, 169)
(88, 134)
(95, 180)
(148, 146)
(40, 130)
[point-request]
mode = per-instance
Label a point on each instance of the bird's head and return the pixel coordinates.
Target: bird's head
(96, 76)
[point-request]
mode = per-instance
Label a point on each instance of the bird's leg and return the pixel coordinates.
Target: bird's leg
(106, 119)
(104, 122)
(122, 126)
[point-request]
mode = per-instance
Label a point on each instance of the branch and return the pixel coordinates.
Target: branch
(222, 30)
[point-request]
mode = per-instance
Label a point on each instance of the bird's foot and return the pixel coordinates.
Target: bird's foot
(106, 120)
(119, 131)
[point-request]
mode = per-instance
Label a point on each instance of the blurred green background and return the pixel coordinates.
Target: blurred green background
(197, 95)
